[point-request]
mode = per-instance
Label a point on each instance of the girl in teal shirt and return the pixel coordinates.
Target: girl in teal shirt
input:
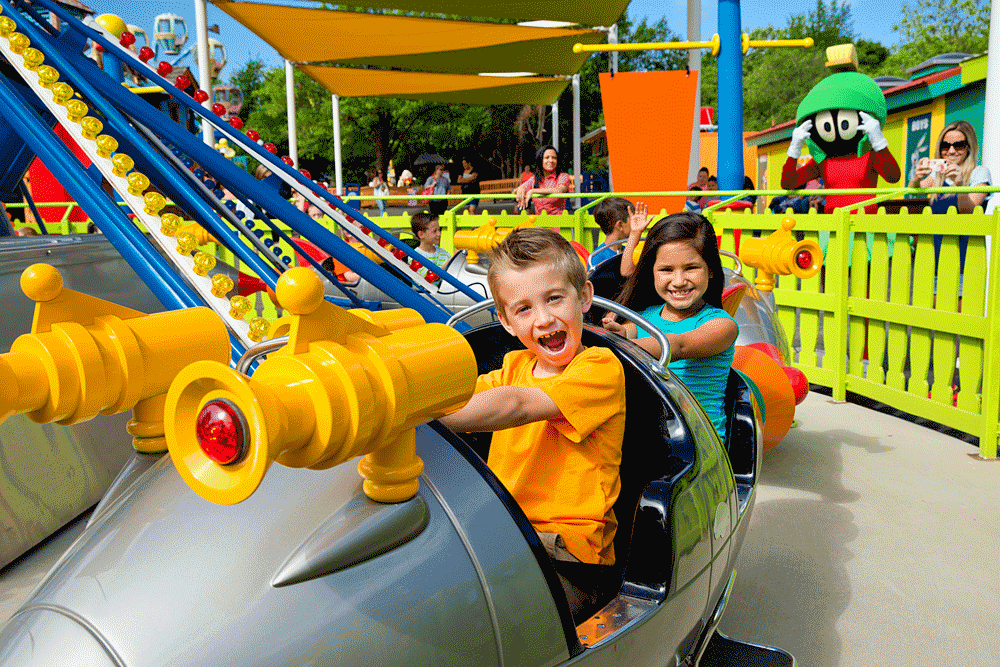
(677, 286)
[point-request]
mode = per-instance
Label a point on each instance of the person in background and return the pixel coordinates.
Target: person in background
(428, 232)
(612, 216)
(440, 181)
(469, 180)
(711, 186)
(702, 181)
(546, 179)
(956, 165)
(693, 202)
(379, 189)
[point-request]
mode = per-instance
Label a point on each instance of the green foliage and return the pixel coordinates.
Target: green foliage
(249, 79)
(932, 27)
(871, 56)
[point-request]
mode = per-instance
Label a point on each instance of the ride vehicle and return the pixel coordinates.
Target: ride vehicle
(311, 566)
(414, 560)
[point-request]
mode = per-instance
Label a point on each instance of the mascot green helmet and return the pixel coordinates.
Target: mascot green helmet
(844, 90)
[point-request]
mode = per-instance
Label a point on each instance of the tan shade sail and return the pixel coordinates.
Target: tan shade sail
(596, 12)
(450, 88)
(429, 45)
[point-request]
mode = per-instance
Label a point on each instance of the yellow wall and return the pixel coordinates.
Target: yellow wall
(708, 145)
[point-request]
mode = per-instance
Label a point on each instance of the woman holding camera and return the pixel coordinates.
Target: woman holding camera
(954, 166)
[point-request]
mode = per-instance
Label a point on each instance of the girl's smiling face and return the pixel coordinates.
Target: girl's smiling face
(681, 277)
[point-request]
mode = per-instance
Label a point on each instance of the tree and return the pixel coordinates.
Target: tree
(249, 79)
(871, 56)
(933, 27)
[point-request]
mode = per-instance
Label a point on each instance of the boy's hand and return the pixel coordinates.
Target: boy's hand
(638, 218)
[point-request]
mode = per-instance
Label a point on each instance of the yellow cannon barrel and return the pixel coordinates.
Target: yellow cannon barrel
(86, 356)
(343, 386)
(780, 254)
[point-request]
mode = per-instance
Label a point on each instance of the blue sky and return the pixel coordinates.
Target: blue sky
(873, 20)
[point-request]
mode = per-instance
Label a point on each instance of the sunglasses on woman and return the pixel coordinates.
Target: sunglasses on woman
(960, 145)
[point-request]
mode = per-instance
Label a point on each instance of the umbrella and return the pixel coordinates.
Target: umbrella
(429, 158)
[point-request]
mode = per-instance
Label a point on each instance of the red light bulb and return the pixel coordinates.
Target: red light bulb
(415, 265)
(236, 122)
(199, 95)
(305, 173)
(399, 253)
(431, 277)
(219, 431)
(127, 40)
(271, 148)
(804, 259)
(183, 81)
(218, 108)
(164, 68)
(253, 135)
(146, 54)
(287, 160)
(364, 230)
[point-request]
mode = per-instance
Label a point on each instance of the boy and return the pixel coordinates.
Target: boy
(428, 232)
(557, 408)
(693, 202)
(611, 215)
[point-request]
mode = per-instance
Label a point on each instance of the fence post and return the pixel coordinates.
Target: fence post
(990, 412)
(578, 236)
(835, 342)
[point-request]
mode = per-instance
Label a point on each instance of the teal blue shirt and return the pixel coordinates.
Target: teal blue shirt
(706, 377)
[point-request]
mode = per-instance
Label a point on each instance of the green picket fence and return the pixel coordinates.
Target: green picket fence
(895, 326)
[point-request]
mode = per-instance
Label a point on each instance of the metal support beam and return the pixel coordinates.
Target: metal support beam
(204, 70)
(293, 128)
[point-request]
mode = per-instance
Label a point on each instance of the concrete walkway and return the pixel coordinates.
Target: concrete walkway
(873, 541)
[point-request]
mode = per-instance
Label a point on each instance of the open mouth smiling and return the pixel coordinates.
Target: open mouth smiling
(553, 342)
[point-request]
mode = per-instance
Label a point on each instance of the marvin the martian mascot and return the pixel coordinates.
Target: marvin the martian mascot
(841, 122)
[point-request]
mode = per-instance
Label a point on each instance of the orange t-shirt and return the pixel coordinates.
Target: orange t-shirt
(564, 472)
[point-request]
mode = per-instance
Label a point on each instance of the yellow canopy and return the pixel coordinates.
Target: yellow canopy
(431, 45)
(452, 88)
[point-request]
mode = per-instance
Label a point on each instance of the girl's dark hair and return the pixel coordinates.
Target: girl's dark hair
(639, 292)
(538, 170)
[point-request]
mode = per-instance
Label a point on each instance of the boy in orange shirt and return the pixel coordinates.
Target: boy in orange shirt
(557, 408)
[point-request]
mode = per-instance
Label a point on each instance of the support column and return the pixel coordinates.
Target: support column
(730, 121)
(555, 125)
(204, 70)
(337, 157)
(577, 174)
(293, 130)
(694, 67)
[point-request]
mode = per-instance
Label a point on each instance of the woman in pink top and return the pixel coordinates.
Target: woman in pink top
(545, 180)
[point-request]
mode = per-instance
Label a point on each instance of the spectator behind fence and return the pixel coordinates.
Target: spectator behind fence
(546, 179)
(438, 183)
(954, 164)
(469, 180)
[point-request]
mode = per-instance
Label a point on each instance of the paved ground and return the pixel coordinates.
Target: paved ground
(874, 541)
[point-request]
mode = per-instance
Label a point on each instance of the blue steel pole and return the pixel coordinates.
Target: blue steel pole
(730, 90)
(146, 262)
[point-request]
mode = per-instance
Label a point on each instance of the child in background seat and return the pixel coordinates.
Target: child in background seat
(557, 409)
(677, 286)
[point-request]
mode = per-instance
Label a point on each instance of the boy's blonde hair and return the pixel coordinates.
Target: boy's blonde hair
(528, 246)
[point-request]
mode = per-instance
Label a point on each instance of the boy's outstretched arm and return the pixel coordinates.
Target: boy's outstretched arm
(502, 407)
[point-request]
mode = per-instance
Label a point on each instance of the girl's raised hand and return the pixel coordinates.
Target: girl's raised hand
(638, 219)
(610, 323)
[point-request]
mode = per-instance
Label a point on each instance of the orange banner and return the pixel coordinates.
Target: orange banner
(649, 118)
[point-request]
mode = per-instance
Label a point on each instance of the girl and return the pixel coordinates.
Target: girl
(677, 286)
